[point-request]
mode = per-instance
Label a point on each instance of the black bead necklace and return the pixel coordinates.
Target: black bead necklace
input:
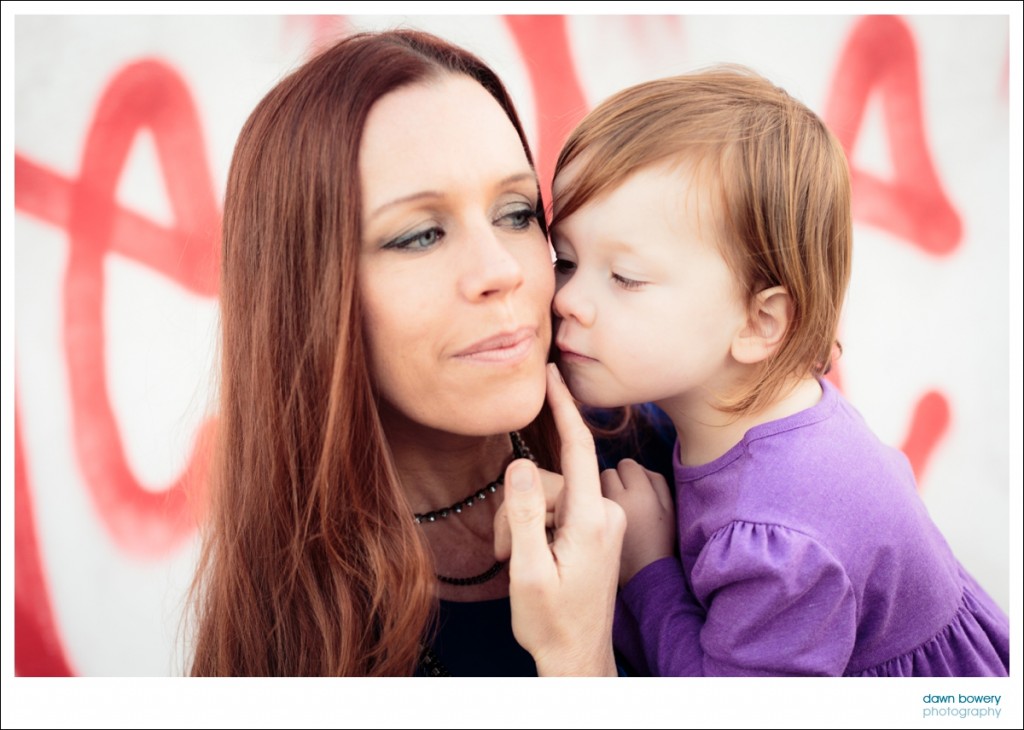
(521, 451)
(456, 509)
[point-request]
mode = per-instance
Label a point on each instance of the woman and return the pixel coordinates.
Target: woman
(385, 294)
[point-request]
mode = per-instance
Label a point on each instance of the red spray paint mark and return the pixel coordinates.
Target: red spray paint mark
(543, 43)
(928, 424)
(37, 645)
(46, 195)
(144, 95)
(1004, 80)
(319, 31)
(880, 57)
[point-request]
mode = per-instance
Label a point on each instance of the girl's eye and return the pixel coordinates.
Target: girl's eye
(564, 267)
(418, 241)
(627, 283)
(518, 218)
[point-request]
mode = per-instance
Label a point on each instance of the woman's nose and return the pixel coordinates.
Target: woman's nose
(492, 267)
(571, 300)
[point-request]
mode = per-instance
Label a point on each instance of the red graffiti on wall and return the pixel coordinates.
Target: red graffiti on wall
(543, 43)
(880, 58)
(37, 646)
(318, 31)
(144, 95)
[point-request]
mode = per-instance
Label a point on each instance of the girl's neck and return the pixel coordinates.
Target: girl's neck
(706, 433)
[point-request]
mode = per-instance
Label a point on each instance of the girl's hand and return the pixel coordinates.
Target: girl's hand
(563, 593)
(650, 515)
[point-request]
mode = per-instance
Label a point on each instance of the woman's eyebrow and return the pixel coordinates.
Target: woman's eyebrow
(412, 197)
(530, 176)
(513, 179)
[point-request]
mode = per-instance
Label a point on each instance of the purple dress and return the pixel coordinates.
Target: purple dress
(805, 550)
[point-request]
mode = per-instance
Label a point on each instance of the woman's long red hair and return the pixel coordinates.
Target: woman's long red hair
(310, 562)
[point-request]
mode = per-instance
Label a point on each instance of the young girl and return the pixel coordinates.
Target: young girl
(703, 235)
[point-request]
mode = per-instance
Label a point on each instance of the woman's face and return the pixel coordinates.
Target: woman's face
(455, 273)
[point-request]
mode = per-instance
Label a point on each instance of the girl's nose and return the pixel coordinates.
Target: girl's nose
(571, 300)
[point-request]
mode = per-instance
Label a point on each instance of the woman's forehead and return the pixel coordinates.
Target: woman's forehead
(447, 131)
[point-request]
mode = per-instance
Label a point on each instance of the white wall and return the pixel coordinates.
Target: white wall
(99, 596)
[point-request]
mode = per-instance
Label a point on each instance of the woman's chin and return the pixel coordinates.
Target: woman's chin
(511, 409)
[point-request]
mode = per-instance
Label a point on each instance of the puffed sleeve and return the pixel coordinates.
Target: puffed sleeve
(765, 601)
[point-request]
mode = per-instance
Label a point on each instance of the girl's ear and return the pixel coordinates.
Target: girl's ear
(771, 311)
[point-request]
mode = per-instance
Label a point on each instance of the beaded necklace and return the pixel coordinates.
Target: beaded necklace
(430, 663)
(521, 451)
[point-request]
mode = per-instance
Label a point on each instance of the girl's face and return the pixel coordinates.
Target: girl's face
(648, 306)
(455, 273)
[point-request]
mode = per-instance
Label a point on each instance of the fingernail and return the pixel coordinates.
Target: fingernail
(557, 372)
(521, 478)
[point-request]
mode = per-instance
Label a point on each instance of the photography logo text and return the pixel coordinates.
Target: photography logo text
(961, 705)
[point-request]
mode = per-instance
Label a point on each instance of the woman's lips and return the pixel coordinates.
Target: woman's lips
(505, 347)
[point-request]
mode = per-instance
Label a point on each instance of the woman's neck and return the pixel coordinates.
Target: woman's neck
(706, 433)
(437, 469)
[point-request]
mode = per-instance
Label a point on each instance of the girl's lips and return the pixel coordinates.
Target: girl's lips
(571, 356)
(506, 347)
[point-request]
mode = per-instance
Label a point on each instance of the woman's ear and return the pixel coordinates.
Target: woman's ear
(771, 311)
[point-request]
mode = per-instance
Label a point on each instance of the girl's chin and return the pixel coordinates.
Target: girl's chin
(589, 395)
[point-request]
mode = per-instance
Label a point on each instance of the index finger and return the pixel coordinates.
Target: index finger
(579, 456)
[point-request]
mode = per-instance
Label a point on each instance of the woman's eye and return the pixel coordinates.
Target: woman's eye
(518, 218)
(564, 266)
(626, 283)
(417, 241)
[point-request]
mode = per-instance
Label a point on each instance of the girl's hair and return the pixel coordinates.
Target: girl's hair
(779, 186)
(311, 563)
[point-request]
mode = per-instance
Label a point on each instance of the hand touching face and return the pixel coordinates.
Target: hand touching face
(562, 588)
